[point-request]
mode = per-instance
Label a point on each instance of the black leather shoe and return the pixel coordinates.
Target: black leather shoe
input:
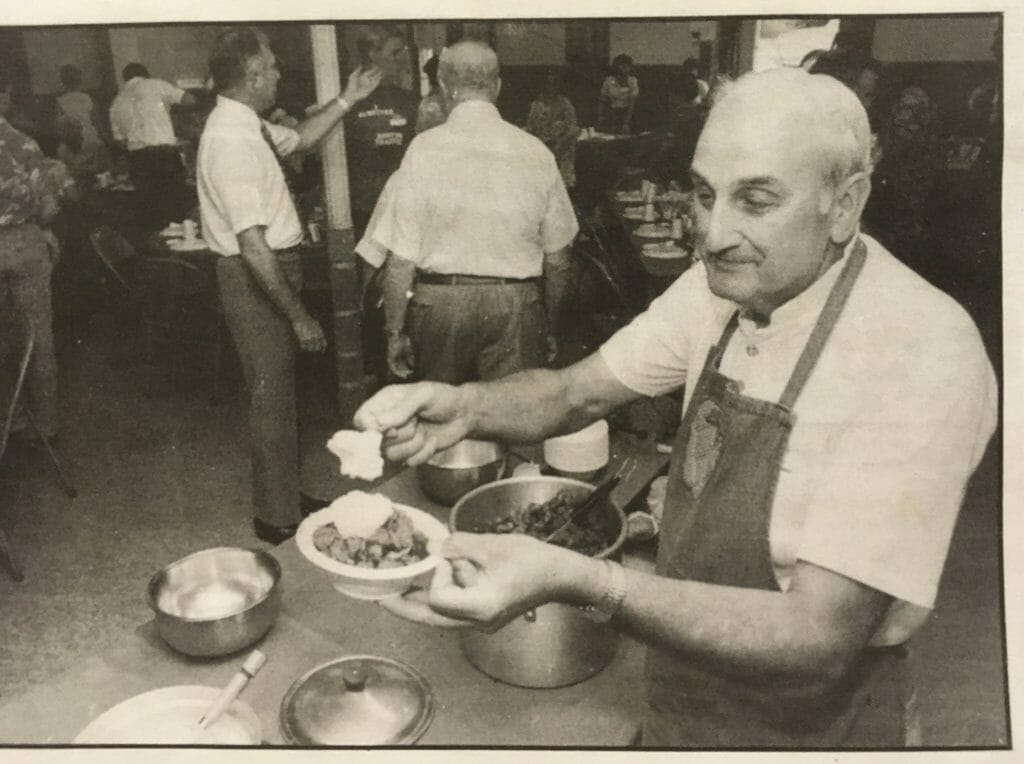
(273, 534)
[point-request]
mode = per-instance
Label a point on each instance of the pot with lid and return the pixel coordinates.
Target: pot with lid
(359, 700)
(555, 645)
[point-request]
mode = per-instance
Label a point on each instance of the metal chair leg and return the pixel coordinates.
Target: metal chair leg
(8, 557)
(65, 484)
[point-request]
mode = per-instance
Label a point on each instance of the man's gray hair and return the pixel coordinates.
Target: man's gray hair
(829, 110)
(468, 65)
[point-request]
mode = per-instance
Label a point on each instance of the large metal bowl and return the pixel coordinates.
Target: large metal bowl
(450, 474)
(217, 601)
(556, 644)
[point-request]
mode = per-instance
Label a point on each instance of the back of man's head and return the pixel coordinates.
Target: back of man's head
(816, 108)
(469, 68)
(232, 51)
(133, 70)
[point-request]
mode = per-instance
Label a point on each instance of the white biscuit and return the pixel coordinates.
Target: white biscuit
(359, 453)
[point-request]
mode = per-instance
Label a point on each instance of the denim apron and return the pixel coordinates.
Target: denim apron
(715, 529)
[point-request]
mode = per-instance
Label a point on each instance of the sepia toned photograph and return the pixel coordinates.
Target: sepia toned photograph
(439, 380)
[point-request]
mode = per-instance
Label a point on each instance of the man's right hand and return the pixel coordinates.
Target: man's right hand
(417, 420)
(400, 355)
(309, 334)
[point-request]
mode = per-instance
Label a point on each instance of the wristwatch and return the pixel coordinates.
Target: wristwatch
(611, 601)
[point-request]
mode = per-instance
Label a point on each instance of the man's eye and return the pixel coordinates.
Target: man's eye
(756, 202)
(705, 198)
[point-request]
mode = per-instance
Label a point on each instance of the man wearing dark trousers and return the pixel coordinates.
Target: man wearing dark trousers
(140, 120)
(249, 218)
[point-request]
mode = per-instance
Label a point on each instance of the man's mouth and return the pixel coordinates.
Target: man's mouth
(728, 260)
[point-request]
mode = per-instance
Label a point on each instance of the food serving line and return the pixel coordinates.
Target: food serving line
(317, 625)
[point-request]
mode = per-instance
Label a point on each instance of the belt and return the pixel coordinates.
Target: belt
(459, 279)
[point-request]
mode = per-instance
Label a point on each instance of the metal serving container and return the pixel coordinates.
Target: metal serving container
(359, 700)
(217, 601)
(555, 645)
(450, 474)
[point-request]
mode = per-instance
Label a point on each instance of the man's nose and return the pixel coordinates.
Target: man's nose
(717, 228)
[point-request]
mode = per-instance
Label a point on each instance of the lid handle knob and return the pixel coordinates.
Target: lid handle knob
(354, 678)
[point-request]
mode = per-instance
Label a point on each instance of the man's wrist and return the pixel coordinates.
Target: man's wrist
(344, 102)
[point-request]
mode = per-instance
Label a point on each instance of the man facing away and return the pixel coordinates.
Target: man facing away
(479, 224)
(140, 120)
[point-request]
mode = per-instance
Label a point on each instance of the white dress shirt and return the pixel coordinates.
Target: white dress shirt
(891, 424)
(475, 195)
(140, 115)
(240, 181)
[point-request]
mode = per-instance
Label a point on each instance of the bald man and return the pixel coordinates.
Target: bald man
(836, 405)
(479, 225)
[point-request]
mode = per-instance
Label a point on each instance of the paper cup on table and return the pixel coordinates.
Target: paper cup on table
(579, 454)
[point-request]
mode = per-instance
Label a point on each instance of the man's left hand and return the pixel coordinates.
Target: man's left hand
(361, 83)
(486, 580)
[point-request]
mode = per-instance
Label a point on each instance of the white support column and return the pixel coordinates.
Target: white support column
(335, 163)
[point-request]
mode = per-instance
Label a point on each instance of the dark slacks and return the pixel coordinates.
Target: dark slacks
(266, 347)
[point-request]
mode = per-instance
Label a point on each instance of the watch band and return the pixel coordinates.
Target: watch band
(614, 594)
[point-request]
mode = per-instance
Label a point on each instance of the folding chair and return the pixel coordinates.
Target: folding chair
(16, 344)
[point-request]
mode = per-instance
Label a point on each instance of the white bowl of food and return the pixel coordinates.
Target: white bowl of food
(371, 547)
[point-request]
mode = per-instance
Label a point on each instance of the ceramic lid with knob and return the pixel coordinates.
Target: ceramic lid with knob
(360, 700)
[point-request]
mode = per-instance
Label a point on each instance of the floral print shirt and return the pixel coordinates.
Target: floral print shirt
(23, 176)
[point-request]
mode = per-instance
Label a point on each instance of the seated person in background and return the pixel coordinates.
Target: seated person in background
(76, 107)
(619, 92)
(553, 119)
(431, 109)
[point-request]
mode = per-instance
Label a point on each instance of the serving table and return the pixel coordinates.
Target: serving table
(317, 624)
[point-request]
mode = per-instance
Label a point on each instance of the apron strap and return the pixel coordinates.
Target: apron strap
(826, 323)
(717, 350)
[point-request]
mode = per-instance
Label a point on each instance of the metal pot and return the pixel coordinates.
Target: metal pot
(449, 474)
(217, 601)
(554, 645)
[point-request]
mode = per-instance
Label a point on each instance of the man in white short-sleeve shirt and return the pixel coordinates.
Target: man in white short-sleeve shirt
(249, 218)
(477, 217)
(836, 406)
(140, 122)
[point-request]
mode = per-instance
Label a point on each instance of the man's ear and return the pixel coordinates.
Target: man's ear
(848, 206)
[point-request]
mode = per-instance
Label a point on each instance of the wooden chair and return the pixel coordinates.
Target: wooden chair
(16, 344)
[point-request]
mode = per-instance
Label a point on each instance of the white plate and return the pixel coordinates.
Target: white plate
(170, 716)
(653, 231)
(180, 245)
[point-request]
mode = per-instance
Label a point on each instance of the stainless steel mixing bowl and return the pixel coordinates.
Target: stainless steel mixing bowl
(451, 473)
(217, 601)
